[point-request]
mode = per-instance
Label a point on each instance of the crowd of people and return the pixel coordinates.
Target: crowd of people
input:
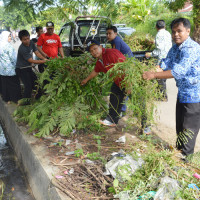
(16, 67)
(180, 61)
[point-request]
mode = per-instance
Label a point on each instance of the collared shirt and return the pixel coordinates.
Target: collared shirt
(119, 44)
(109, 58)
(184, 63)
(163, 42)
(8, 59)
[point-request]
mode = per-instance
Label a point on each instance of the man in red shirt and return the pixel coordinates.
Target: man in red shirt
(106, 60)
(49, 44)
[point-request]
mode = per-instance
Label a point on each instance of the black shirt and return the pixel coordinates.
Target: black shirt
(24, 53)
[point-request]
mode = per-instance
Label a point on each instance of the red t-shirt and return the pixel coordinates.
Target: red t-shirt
(50, 44)
(110, 57)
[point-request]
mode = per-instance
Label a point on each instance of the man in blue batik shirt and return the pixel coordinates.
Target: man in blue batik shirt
(183, 64)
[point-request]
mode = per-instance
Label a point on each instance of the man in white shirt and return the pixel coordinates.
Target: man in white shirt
(163, 43)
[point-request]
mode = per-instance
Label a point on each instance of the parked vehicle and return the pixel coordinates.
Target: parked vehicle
(123, 30)
(75, 35)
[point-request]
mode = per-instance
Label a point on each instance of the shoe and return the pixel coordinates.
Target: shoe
(147, 130)
(105, 122)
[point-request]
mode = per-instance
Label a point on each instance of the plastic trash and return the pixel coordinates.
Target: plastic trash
(122, 166)
(127, 195)
(73, 131)
(121, 139)
(193, 186)
(59, 177)
(167, 189)
(124, 195)
(67, 142)
(69, 153)
(71, 171)
(196, 176)
(148, 195)
(66, 172)
(90, 162)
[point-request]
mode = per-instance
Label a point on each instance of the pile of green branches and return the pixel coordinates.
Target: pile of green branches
(140, 42)
(142, 93)
(66, 105)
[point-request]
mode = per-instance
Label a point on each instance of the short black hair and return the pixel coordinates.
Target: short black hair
(38, 28)
(34, 40)
(184, 21)
(23, 33)
(114, 28)
(160, 24)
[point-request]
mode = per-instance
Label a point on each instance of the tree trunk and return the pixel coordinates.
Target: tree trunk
(196, 13)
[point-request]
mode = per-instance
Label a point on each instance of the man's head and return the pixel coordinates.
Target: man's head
(24, 36)
(39, 31)
(95, 49)
(111, 33)
(160, 24)
(50, 28)
(180, 30)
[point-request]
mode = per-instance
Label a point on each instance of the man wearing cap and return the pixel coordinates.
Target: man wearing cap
(49, 43)
(106, 60)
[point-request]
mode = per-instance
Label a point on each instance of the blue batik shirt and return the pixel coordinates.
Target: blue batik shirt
(8, 59)
(184, 63)
(120, 45)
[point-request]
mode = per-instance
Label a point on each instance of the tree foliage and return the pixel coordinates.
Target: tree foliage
(16, 17)
(175, 5)
(137, 10)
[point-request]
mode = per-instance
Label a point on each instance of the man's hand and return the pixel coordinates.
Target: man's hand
(128, 92)
(158, 69)
(148, 75)
(83, 82)
(147, 55)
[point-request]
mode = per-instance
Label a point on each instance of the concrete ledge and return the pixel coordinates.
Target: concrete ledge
(33, 158)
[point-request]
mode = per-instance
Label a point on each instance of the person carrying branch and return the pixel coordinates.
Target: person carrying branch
(106, 60)
(183, 64)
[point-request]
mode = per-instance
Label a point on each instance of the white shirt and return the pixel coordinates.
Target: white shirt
(163, 42)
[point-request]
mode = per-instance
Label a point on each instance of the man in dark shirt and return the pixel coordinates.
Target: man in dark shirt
(24, 60)
(117, 42)
(106, 60)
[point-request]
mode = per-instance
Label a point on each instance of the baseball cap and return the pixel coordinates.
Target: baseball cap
(49, 25)
(91, 43)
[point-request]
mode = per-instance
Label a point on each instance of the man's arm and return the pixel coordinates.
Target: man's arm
(159, 75)
(39, 55)
(91, 76)
(37, 61)
(42, 52)
(60, 49)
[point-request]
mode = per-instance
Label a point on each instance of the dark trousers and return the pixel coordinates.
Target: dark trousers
(116, 101)
(187, 126)
(11, 90)
(28, 78)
